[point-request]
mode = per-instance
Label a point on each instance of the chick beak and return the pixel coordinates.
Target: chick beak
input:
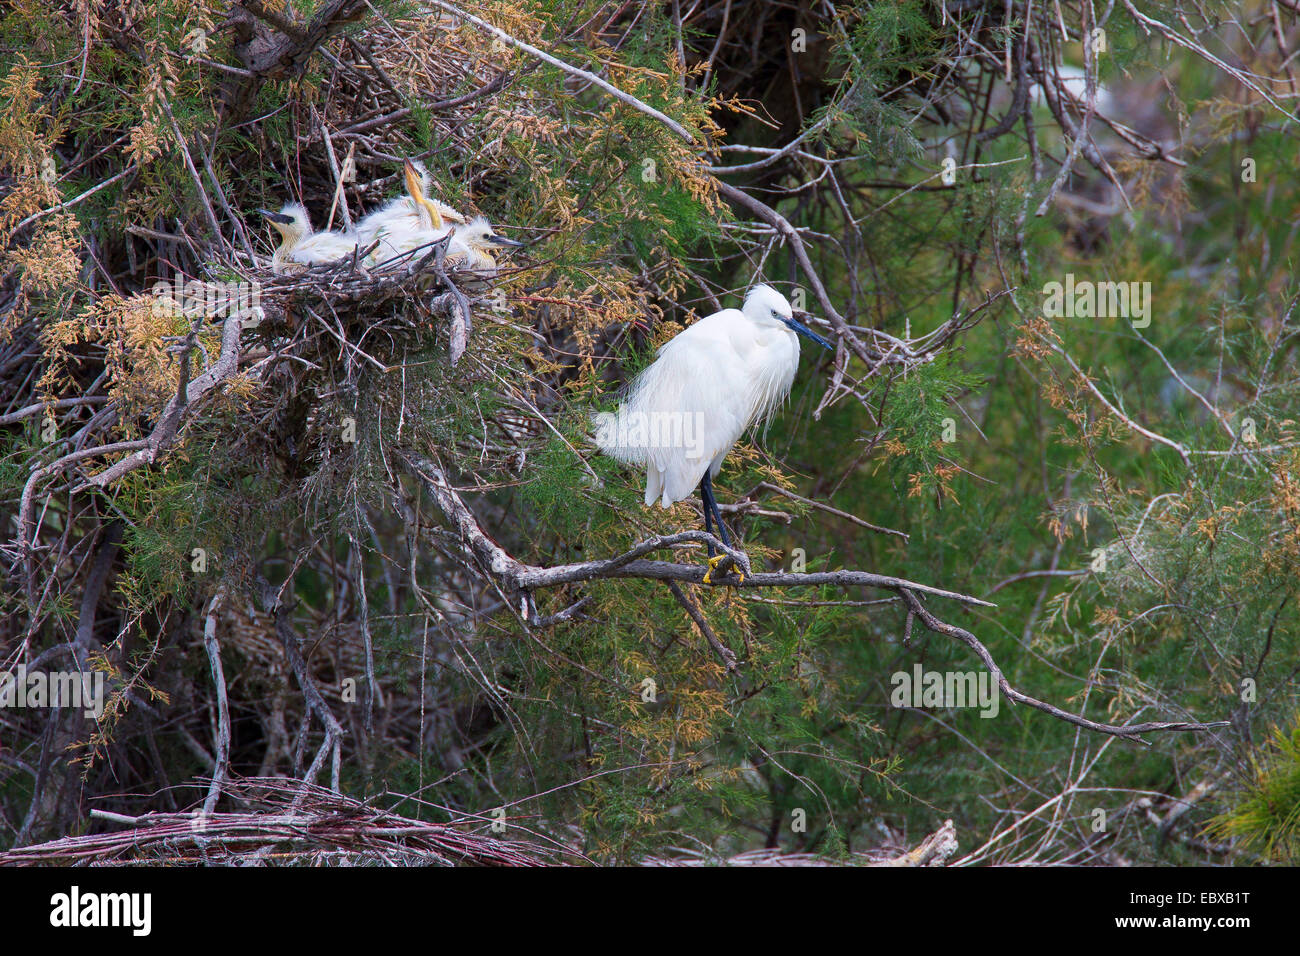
(415, 189)
(413, 184)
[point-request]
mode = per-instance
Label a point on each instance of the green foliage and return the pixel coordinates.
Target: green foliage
(554, 476)
(1266, 817)
(995, 458)
(923, 419)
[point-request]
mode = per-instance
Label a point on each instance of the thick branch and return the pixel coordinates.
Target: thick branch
(279, 52)
(169, 423)
(517, 579)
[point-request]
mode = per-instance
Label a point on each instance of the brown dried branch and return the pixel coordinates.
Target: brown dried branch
(303, 820)
(221, 764)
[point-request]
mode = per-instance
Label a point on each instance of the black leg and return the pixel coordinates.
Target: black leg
(711, 504)
(705, 495)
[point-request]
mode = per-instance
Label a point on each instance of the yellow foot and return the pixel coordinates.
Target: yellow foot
(713, 566)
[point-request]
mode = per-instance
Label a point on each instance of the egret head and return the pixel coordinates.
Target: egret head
(291, 222)
(478, 237)
(764, 304)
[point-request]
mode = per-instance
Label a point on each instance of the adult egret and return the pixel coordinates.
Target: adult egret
(299, 245)
(709, 383)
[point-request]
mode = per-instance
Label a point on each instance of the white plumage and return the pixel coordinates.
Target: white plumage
(406, 224)
(401, 230)
(474, 244)
(708, 384)
(400, 242)
(727, 371)
(414, 211)
(300, 246)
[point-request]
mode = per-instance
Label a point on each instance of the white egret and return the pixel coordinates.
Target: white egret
(708, 384)
(299, 245)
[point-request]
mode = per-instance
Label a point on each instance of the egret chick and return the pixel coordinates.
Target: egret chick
(708, 384)
(408, 213)
(472, 246)
(418, 185)
(404, 225)
(299, 246)
(403, 244)
(405, 210)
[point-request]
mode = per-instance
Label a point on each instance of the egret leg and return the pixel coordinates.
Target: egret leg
(708, 515)
(711, 507)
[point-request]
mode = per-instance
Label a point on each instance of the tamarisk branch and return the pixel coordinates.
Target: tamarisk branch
(518, 580)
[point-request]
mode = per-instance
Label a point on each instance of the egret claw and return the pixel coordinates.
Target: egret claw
(713, 566)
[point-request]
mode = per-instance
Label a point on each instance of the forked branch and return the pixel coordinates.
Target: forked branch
(517, 580)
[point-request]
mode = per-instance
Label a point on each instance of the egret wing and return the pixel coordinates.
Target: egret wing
(325, 247)
(689, 407)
